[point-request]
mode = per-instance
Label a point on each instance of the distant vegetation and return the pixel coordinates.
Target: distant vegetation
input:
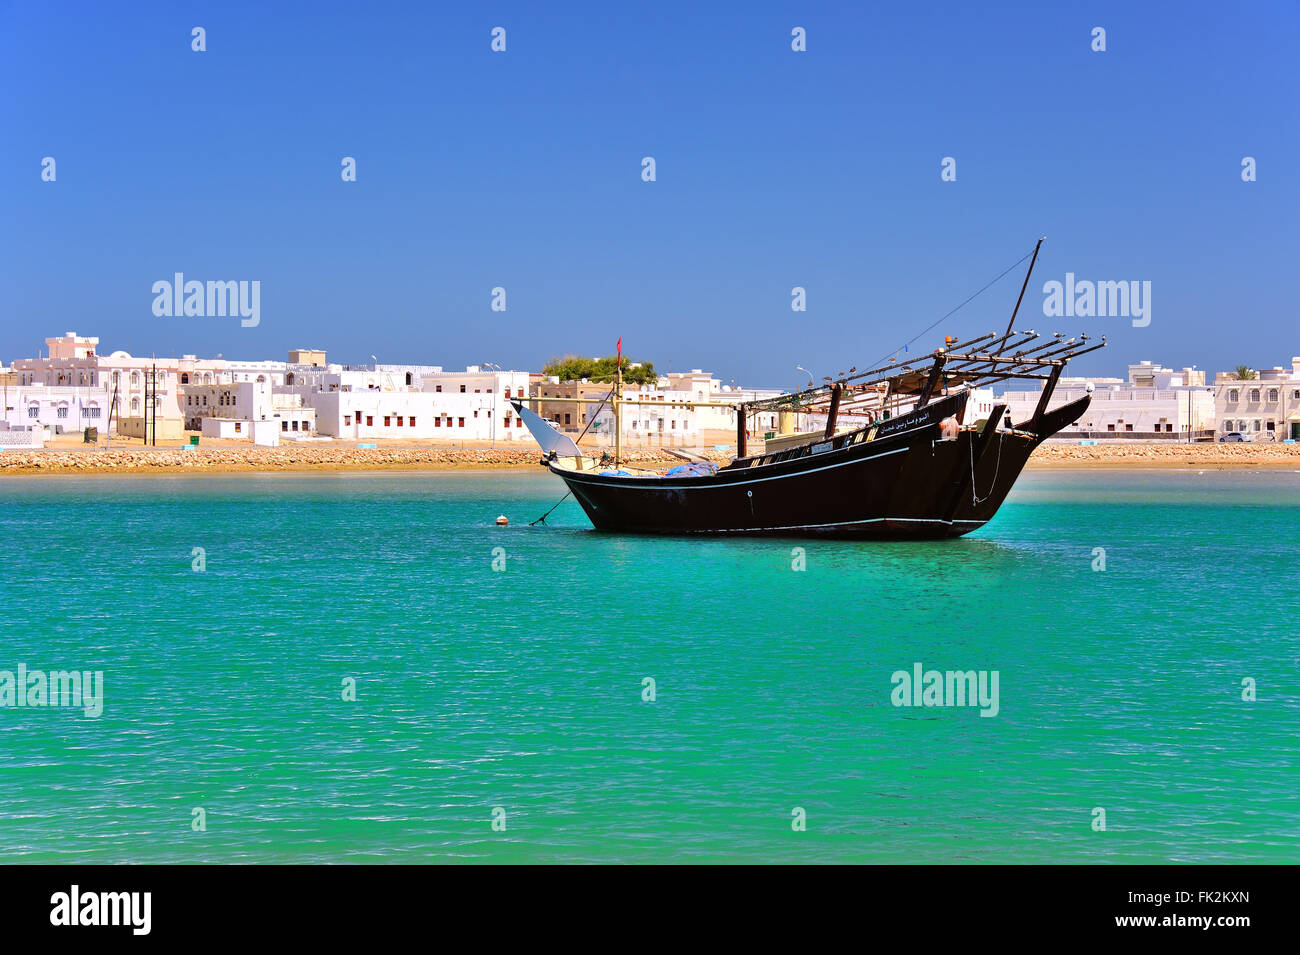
(576, 367)
(1245, 373)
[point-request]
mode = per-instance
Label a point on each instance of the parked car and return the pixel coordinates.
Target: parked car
(1233, 436)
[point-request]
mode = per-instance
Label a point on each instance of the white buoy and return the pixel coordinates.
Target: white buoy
(502, 521)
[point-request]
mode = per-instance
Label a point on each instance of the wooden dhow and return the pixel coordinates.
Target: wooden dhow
(900, 454)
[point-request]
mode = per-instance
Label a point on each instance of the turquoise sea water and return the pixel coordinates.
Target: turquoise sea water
(522, 688)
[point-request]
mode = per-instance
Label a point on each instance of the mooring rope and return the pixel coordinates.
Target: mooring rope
(542, 519)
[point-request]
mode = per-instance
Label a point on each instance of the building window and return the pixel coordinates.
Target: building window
(462, 389)
(399, 421)
(239, 426)
(388, 421)
(63, 411)
(185, 379)
(460, 422)
(1254, 395)
(1272, 394)
(438, 389)
(347, 419)
(1110, 427)
(1256, 425)
(1232, 395)
(412, 421)
(284, 426)
(437, 422)
(370, 420)
(295, 426)
(33, 411)
(1128, 427)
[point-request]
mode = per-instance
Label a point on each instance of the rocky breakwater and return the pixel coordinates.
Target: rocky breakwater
(180, 460)
(1144, 455)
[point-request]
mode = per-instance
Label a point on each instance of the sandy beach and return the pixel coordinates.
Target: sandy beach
(232, 459)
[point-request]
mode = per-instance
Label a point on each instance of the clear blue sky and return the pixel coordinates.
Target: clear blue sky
(523, 170)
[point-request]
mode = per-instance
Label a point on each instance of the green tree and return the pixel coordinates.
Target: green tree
(1244, 373)
(577, 367)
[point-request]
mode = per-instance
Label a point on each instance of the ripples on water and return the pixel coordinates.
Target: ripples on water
(523, 688)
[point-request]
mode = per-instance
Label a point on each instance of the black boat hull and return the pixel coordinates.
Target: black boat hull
(907, 484)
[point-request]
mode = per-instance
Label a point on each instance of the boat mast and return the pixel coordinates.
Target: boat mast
(1015, 311)
(618, 400)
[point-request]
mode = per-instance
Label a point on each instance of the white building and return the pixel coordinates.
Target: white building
(224, 410)
(74, 361)
(703, 387)
(659, 417)
(413, 402)
(1264, 408)
(1155, 403)
(59, 409)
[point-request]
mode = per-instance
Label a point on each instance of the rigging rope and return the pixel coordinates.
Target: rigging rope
(542, 519)
(926, 330)
(593, 415)
(975, 499)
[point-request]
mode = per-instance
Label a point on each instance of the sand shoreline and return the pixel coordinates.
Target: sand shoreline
(234, 460)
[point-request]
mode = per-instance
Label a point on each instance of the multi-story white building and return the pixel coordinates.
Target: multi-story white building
(73, 386)
(59, 409)
(1153, 403)
(414, 402)
(659, 416)
(1264, 408)
(74, 361)
(718, 413)
(222, 410)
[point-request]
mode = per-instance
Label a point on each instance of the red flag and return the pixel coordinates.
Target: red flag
(620, 350)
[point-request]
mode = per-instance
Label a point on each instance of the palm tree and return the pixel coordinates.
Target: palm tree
(1244, 373)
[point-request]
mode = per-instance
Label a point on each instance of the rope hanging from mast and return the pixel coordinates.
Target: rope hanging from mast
(907, 344)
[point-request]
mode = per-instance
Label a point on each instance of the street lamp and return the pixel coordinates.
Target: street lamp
(811, 379)
(1191, 420)
(492, 364)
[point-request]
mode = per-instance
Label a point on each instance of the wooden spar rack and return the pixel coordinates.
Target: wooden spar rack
(974, 363)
